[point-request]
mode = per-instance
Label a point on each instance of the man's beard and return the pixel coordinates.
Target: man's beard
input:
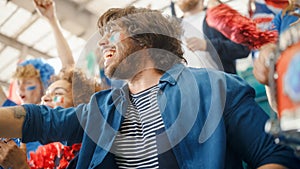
(188, 6)
(126, 66)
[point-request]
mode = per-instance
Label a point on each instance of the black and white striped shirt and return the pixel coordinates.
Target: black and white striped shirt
(135, 145)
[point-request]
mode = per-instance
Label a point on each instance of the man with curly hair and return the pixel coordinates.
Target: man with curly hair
(212, 48)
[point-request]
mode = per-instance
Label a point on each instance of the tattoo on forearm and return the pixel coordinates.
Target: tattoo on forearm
(19, 112)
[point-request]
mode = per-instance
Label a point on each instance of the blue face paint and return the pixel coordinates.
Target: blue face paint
(30, 88)
(114, 38)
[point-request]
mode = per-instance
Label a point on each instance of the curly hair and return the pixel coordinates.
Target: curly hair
(35, 68)
(150, 29)
(82, 87)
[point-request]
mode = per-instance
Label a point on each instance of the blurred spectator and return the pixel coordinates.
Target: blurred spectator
(212, 48)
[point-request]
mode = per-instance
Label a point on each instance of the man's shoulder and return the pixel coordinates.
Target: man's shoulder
(206, 75)
(206, 72)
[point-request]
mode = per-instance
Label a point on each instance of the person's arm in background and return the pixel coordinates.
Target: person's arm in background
(261, 70)
(261, 64)
(47, 10)
(214, 40)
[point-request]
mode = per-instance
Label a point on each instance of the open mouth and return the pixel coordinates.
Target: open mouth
(109, 54)
(22, 97)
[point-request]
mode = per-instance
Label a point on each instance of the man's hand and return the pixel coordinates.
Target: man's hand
(11, 156)
(195, 44)
(46, 8)
(261, 64)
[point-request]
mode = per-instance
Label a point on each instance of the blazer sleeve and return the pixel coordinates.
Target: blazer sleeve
(245, 122)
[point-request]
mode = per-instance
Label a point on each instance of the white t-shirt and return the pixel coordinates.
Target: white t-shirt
(193, 27)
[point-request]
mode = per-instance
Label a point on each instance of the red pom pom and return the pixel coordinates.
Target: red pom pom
(238, 28)
(46, 155)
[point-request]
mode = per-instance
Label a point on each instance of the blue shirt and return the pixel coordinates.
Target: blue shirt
(8, 103)
(211, 120)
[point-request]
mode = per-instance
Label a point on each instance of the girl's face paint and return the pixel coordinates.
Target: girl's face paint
(115, 38)
(59, 93)
(58, 99)
(30, 88)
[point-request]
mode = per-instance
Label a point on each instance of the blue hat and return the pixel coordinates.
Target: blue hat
(45, 70)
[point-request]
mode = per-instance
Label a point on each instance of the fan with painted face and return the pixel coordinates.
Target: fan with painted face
(32, 78)
(70, 88)
(59, 93)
